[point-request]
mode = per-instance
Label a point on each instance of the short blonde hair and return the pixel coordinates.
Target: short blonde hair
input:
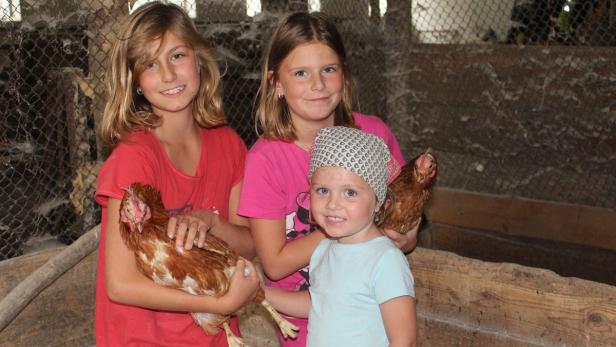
(125, 110)
(273, 120)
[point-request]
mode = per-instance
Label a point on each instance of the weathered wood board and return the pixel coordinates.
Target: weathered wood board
(583, 225)
(461, 302)
(467, 302)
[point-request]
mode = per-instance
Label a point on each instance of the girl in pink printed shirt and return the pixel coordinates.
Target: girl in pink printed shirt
(306, 85)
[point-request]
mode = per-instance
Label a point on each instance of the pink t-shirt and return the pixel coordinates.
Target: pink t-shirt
(276, 187)
(141, 158)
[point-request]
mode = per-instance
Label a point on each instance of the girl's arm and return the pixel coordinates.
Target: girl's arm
(193, 228)
(279, 257)
(296, 304)
(400, 321)
(405, 242)
(126, 285)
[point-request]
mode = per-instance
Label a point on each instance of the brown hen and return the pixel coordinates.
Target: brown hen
(409, 193)
(200, 271)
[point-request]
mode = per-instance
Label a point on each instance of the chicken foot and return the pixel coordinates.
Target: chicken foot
(287, 328)
(232, 340)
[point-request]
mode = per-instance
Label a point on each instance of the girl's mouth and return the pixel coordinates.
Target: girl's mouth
(173, 90)
(334, 219)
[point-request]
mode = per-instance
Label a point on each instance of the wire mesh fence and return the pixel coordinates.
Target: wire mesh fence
(54, 54)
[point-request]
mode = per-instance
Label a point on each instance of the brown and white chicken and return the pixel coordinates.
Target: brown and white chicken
(409, 193)
(200, 271)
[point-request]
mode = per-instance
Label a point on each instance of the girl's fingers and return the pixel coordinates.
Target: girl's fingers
(202, 236)
(171, 227)
(180, 234)
(190, 236)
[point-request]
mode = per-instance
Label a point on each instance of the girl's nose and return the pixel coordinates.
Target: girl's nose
(168, 72)
(317, 82)
(332, 202)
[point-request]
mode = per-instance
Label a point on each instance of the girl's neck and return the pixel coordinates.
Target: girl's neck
(177, 130)
(306, 131)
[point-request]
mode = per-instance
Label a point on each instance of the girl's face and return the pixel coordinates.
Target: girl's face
(343, 204)
(311, 80)
(171, 81)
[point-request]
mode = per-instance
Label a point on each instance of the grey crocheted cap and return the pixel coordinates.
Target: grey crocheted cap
(364, 154)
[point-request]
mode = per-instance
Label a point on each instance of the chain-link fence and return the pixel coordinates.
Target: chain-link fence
(54, 56)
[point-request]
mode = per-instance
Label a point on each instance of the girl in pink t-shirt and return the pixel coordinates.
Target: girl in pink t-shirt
(164, 120)
(306, 85)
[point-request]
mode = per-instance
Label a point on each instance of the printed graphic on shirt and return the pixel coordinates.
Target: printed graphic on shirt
(298, 225)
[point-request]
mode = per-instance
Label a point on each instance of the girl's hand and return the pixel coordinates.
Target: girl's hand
(191, 228)
(406, 242)
(243, 287)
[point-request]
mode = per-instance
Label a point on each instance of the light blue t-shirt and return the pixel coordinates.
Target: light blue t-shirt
(347, 284)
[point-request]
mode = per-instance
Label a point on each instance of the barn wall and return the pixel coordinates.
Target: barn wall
(535, 122)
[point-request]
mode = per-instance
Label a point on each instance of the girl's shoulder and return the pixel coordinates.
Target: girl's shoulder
(264, 147)
(136, 142)
(367, 122)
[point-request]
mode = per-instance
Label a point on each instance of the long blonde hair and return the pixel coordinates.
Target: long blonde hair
(126, 110)
(273, 120)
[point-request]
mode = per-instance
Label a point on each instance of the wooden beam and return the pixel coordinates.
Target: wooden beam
(509, 302)
(583, 225)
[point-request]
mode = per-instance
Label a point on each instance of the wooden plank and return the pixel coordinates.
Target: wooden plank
(527, 305)
(583, 225)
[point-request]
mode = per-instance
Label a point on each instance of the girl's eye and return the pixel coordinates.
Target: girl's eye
(330, 69)
(176, 56)
(321, 190)
(300, 73)
(350, 193)
(149, 66)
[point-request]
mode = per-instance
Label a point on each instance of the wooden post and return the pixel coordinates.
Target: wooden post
(398, 36)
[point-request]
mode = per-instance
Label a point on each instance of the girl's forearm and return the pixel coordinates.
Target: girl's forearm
(237, 236)
(142, 292)
(296, 304)
(291, 257)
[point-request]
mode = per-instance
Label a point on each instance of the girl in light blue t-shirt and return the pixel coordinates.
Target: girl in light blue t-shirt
(361, 287)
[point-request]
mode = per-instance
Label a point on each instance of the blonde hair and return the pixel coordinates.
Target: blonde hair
(125, 110)
(273, 120)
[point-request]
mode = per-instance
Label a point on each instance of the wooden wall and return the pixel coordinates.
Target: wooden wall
(461, 302)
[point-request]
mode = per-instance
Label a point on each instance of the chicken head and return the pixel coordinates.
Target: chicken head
(134, 211)
(425, 167)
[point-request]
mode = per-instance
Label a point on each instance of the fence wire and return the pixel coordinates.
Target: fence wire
(54, 56)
